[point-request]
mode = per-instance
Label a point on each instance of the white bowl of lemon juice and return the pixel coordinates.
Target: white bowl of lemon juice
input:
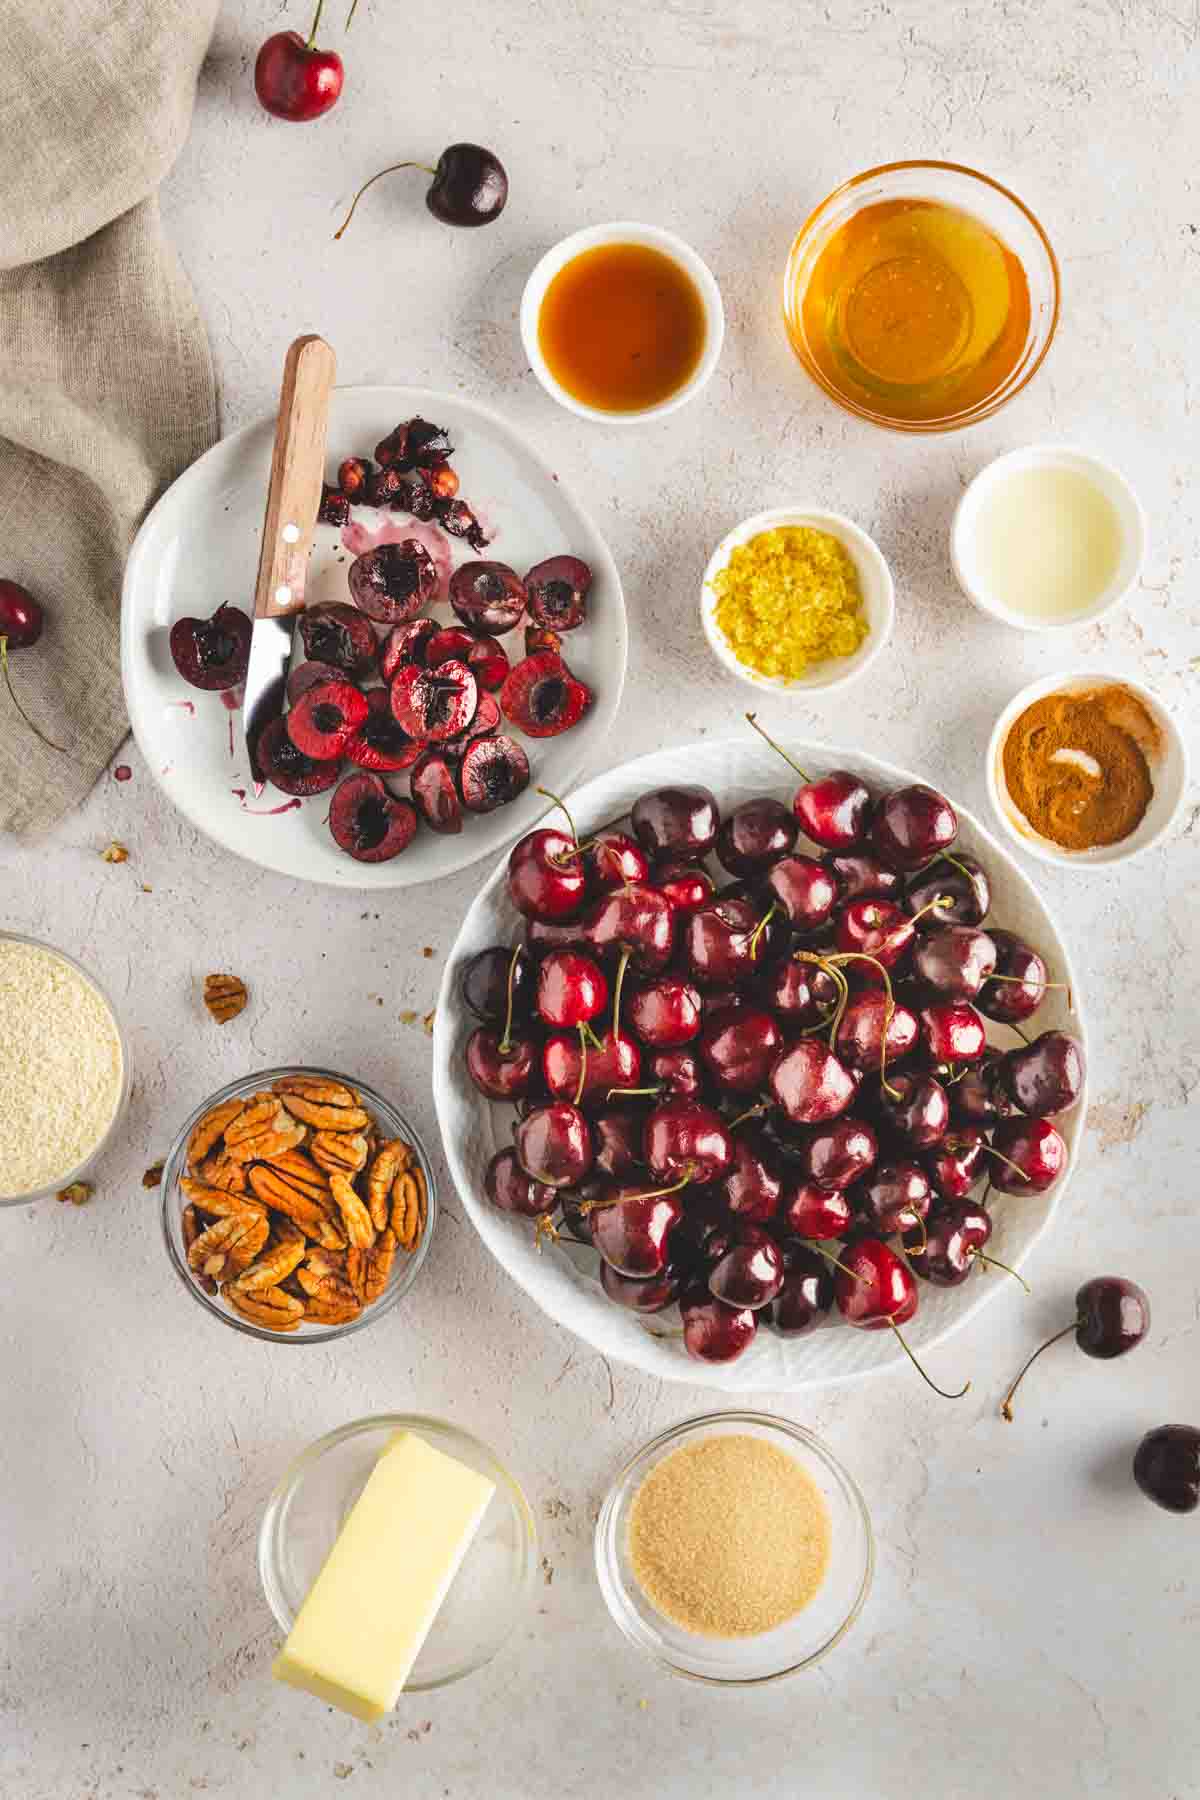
(1048, 538)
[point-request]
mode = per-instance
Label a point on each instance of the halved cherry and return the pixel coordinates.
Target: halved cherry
(449, 644)
(287, 768)
(338, 634)
(434, 793)
(485, 724)
(543, 697)
(367, 822)
(434, 703)
(493, 771)
(557, 592)
(488, 659)
(406, 644)
(307, 674)
(392, 582)
(380, 743)
(324, 718)
(487, 596)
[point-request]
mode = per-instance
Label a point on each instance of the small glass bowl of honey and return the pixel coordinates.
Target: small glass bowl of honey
(622, 322)
(921, 296)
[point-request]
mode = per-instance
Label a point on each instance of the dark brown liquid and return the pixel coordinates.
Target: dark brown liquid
(622, 327)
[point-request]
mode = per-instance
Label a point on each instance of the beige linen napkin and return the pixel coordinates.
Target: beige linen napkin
(106, 384)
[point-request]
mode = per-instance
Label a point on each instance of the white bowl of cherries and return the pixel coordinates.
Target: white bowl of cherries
(723, 1062)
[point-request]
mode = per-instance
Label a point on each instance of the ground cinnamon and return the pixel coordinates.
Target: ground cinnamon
(1075, 765)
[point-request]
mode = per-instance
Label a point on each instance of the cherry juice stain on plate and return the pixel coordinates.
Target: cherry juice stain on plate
(122, 772)
(263, 812)
(187, 706)
(231, 700)
(358, 540)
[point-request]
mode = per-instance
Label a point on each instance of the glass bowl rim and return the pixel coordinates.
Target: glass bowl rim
(170, 1198)
(696, 1426)
(304, 1460)
(985, 408)
(93, 1155)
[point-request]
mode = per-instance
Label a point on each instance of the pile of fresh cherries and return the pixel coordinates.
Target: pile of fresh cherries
(392, 691)
(774, 1097)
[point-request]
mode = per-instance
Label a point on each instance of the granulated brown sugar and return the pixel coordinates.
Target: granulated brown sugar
(729, 1537)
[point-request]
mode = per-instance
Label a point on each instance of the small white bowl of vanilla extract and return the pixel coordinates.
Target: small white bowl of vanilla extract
(1048, 538)
(622, 323)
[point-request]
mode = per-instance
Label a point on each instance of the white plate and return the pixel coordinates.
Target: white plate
(560, 1278)
(199, 549)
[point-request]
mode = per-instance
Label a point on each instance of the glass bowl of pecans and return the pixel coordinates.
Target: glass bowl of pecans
(297, 1205)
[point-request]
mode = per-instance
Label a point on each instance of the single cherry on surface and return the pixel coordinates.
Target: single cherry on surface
(469, 186)
(1112, 1317)
(294, 79)
(1047, 1076)
(22, 618)
(1166, 1466)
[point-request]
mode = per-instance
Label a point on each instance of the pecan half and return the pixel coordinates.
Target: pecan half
(367, 1270)
(260, 1113)
(390, 1158)
(331, 1312)
(344, 1150)
(274, 1191)
(225, 997)
(327, 1105)
(219, 1171)
(357, 1220)
(229, 1245)
(288, 1134)
(212, 1127)
(409, 1208)
(277, 1310)
(333, 1285)
(218, 1203)
(301, 1172)
(191, 1227)
(283, 1251)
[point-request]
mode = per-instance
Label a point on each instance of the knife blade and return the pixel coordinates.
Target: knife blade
(293, 496)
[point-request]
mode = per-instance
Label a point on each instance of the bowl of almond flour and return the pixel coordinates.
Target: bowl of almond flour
(64, 1071)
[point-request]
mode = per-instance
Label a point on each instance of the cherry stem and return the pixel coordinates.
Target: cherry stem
(1024, 980)
(49, 742)
(760, 928)
(939, 903)
(544, 1226)
(634, 1091)
(655, 1194)
(590, 1036)
(545, 792)
(751, 1112)
(505, 1044)
(994, 1262)
(1006, 1411)
(390, 170)
(834, 1262)
(583, 1061)
(351, 13)
(1016, 1167)
(620, 983)
(927, 1379)
(316, 25)
(752, 719)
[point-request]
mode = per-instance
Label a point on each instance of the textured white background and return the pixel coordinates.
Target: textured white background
(1033, 1624)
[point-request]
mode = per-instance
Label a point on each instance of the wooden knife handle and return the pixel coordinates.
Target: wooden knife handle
(297, 471)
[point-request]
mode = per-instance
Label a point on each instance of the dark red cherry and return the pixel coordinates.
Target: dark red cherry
(953, 961)
(712, 1331)
(806, 1295)
(558, 592)
(685, 1138)
(952, 1032)
(861, 876)
(738, 1049)
(835, 810)
(287, 768)
(644, 1294)
(542, 697)
(750, 1273)
(810, 1084)
(631, 1234)
(1046, 1076)
(664, 1011)
(22, 618)
(839, 1153)
(754, 835)
(508, 1186)
(500, 1070)
(957, 1163)
(378, 743)
(875, 929)
(495, 975)
(916, 1107)
(719, 942)
(612, 860)
(869, 1021)
(435, 794)
(753, 1186)
(800, 992)
(960, 886)
(617, 1134)
(949, 1248)
(469, 186)
(1166, 1466)
(678, 1073)
(686, 885)
(977, 1096)
(912, 825)
(894, 1197)
(1112, 1317)
(1034, 1155)
(616, 1064)
(546, 877)
(1019, 985)
(637, 919)
(571, 989)
(554, 1144)
(209, 653)
(874, 1288)
(815, 1212)
(677, 821)
(803, 889)
(337, 634)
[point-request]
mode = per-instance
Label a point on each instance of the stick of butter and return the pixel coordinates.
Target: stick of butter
(358, 1633)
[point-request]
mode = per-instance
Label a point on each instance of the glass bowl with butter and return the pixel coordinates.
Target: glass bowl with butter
(797, 601)
(64, 1070)
(251, 1215)
(468, 1586)
(734, 1549)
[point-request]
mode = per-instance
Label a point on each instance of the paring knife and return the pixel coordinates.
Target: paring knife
(293, 496)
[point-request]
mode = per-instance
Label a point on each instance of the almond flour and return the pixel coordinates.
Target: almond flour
(729, 1537)
(61, 1068)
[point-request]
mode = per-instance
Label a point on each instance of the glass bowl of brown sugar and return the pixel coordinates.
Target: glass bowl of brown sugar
(734, 1549)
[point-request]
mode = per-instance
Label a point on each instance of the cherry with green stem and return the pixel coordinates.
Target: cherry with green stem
(834, 810)
(1112, 1317)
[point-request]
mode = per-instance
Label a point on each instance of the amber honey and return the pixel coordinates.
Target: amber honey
(913, 310)
(622, 327)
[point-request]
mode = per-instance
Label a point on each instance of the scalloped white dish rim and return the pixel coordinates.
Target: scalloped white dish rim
(574, 1299)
